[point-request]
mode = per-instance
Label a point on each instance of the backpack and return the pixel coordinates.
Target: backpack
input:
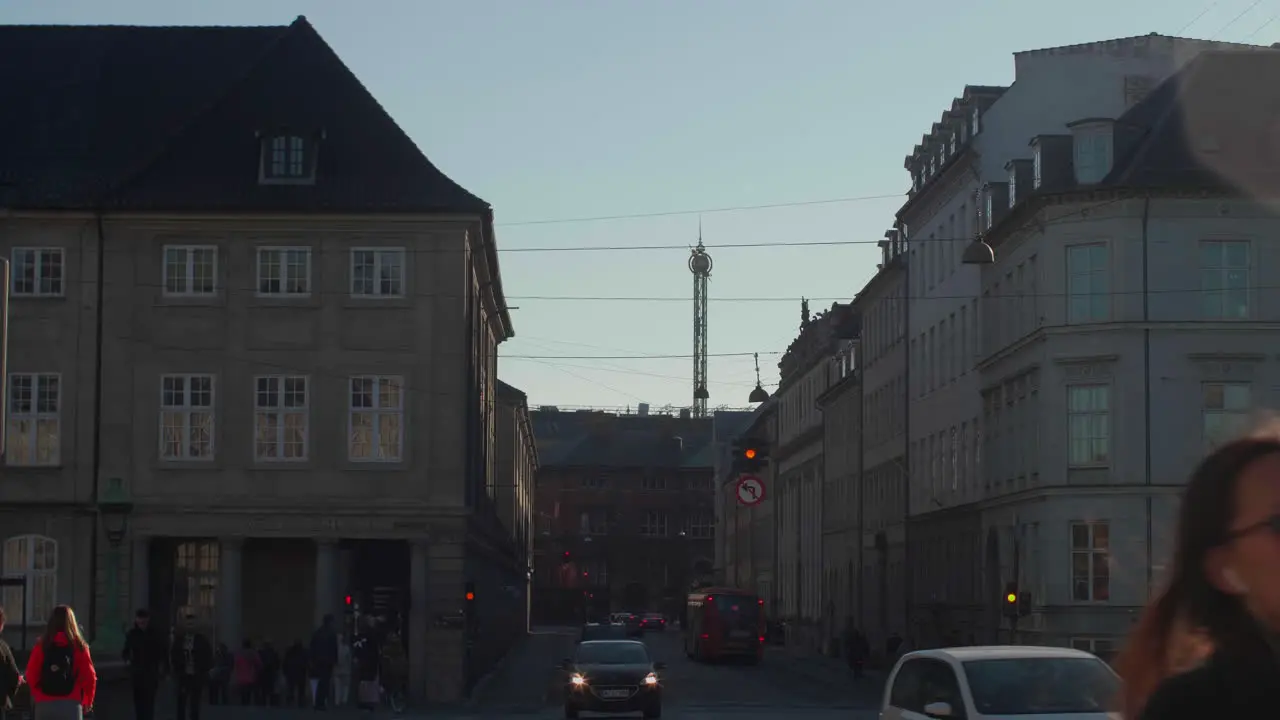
(57, 674)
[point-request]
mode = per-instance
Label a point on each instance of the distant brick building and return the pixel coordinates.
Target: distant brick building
(625, 512)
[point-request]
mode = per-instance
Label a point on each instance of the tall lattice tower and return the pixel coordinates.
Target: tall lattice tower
(700, 266)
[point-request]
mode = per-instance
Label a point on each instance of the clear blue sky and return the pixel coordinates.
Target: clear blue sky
(581, 108)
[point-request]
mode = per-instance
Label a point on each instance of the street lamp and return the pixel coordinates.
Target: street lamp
(978, 252)
(114, 508)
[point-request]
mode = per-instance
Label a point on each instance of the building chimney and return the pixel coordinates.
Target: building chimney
(642, 410)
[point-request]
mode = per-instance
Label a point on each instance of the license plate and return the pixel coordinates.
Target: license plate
(614, 694)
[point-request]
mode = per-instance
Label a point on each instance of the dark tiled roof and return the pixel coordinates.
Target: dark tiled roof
(596, 439)
(511, 391)
(1213, 124)
(167, 118)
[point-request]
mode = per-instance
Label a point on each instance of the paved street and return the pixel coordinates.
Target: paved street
(526, 686)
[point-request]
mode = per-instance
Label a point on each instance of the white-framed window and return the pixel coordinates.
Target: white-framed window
(34, 557)
(1224, 279)
(1036, 166)
(990, 208)
(280, 417)
(186, 417)
(1227, 409)
(1092, 154)
(1013, 186)
(196, 580)
(1104, 648)
(35, 420)
(284, 271)
(285, 158)
(1090, 562)
(702, 525)
(377, 272)
(376, 418)
(594, 521)
(1088, 283)
(1088, 425)
(654, 523)
(977, 121)
(37, 272)
(190, 270)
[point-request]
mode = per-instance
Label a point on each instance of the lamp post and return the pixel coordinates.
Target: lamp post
(114, 508)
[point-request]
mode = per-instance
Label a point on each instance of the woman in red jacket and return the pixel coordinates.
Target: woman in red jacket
(60, 671)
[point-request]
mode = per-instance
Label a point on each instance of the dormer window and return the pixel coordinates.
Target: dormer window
(1013, 186)
(990, 208)
(933, 166)
(1092, 151)
(288, 158)
(1035, 167)
(955, 142)
(977, 117)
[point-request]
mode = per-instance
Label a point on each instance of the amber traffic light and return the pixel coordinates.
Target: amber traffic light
(750, 453)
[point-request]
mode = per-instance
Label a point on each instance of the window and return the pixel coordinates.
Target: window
(1224, 279)
(702, 525)
(1102, 647)
(195, 581)
(280, 425)
(990, 207)
(655, 523)
(1226, 409)
(977, 117)
(186, 417)
(377, 418)
(35, 558)
(1088, 425)
(35, 419)
(284, 271)
(37, 272)
(285, 158)
(1013, 186)
(1088, 283)
(654, 482)
(592, 482)
(595, 573)
(190, 270)
(1035, 167)
(594, 521)
(1092, 154)
(377, 273)
(1091, 562)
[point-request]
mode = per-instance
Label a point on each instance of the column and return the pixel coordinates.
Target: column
(326, 579)
(140, 575)
(419, 618)
(230, 576)
(447, 659)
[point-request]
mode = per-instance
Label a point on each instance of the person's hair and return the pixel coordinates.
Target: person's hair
(63, 620)
(1191, 617)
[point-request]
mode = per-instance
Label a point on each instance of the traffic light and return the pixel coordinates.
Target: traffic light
(565, 557)
(1024, 604)
(347, 601)
(1010, 600)
(470, 593)
(749, 455)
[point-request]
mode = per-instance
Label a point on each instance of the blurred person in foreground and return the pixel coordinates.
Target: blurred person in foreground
(60, 671)
(1209, 645)
(10, 676)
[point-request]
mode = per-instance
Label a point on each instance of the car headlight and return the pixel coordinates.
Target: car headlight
(651, 679)
(577, 679)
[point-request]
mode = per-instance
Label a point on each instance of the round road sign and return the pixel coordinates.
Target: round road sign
(750, 489)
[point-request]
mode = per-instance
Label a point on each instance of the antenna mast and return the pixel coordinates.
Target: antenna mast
(700, 266)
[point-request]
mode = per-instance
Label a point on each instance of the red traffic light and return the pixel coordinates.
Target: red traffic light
(566, 554)
(470, 596)
(750, 453)
(348, 600)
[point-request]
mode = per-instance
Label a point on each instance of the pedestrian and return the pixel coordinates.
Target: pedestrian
(191, 658)
(294, 669)
(342, 673)
(1205, 647)
(144, 651)
(60, 670)
(269, 674)
(220, 675)
(10, 676)
(367, 653)
(247, 671)
(324, 656)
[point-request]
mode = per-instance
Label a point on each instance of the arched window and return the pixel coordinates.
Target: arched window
(34, 557)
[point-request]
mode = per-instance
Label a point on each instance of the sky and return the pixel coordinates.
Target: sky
(661, 116)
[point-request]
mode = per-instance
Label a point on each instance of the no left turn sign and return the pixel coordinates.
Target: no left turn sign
(750, 489)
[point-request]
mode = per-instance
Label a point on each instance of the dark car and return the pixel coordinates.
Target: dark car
(612, 676)
(653, 621)
(631, 620)
(603, 631)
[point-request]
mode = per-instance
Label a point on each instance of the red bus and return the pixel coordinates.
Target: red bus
(724, 622)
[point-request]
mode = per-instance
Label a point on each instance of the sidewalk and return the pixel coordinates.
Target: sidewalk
(828, 670)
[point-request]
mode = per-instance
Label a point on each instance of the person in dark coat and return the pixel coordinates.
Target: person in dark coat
(324, 657)
(144, 650)
(294, 669)
(270, 674)
(10, 675)
(191, 658)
